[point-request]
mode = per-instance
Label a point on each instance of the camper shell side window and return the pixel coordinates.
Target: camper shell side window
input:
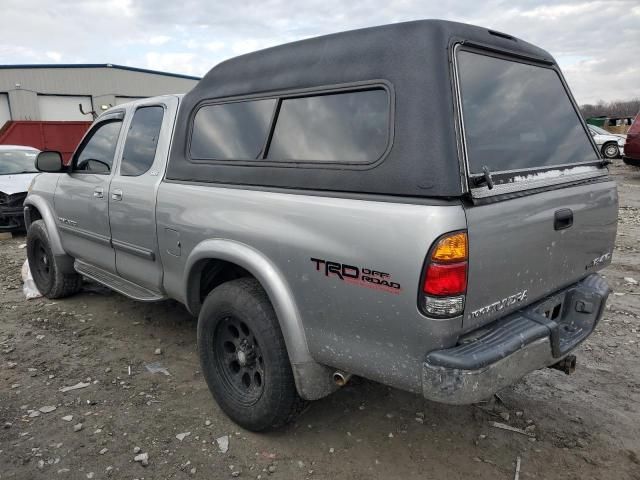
(336, 127)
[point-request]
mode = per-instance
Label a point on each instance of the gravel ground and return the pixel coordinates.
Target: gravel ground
(584, 426)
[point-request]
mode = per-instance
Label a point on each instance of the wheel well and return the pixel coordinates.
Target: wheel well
(207, 275)
(34, 214)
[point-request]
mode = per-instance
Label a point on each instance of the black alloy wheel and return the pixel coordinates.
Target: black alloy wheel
(239, 360)
(51, 274)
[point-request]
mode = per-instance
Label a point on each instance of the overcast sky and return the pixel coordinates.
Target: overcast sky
(597, 43)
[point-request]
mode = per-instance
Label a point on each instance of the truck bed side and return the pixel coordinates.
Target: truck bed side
(369, 325)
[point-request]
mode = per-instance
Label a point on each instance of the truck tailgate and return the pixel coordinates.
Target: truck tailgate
(521, 250)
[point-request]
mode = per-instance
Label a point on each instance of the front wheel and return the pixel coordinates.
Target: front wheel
(47, 273)
(244, 358)
(610, 150)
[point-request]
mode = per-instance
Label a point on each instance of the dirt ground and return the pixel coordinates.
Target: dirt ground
(584, 426)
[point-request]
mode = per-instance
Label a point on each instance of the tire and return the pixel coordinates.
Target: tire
(610, 150)
(45, 269)
(244, 358)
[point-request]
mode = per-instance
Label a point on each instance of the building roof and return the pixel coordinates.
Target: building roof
(96, 65)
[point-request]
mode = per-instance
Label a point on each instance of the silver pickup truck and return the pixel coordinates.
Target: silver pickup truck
(419, 204)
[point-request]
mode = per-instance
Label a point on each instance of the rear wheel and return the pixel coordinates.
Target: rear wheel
(610, 150)
(46, 271)
(244, 357)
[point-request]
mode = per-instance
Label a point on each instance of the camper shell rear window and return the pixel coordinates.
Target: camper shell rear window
(518, 117)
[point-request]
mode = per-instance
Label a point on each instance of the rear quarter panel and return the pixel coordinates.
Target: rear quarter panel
(373, 332)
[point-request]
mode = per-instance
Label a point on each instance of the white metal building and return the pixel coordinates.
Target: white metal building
(53, 92)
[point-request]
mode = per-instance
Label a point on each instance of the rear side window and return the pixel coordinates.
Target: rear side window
(142, 141)
(518, 116)
(231, 131)
(346, 127)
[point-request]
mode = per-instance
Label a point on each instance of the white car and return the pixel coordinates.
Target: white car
(17, 169)
(610, 144)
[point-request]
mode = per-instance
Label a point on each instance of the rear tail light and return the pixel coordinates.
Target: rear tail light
(451, 248)
(445, 280)
(445, 277)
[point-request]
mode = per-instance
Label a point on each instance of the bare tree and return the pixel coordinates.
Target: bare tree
(617, 108)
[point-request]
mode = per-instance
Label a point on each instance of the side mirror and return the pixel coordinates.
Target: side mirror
(50, 162)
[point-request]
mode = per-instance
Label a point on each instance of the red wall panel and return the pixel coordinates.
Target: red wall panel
(61, 136)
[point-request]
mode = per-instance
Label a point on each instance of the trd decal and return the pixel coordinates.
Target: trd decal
(364, 277)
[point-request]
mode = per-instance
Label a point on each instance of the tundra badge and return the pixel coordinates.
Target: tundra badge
(500, 304)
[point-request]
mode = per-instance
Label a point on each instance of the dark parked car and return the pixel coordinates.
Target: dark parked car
(632, 146)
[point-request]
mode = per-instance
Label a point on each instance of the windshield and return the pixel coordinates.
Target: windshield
(17, 161)
(518, 116)
(598, 130)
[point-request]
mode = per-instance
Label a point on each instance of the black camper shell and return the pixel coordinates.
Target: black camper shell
(411, 62)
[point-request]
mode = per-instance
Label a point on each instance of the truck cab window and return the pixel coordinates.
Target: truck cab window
(96, 155)
(142, 141)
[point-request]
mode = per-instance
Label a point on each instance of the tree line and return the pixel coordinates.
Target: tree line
(616, 108)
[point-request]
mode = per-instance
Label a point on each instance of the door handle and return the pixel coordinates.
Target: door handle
(116, 195)
(562, 219)
(98, 193)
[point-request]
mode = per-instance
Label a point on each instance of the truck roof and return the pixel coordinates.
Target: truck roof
(411, 59)
(139, 101)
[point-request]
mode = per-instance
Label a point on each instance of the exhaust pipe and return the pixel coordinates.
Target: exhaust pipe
(341, 378)
(566, 365)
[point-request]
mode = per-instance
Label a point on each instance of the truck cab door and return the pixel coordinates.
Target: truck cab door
(81, 200)
(133, 190)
